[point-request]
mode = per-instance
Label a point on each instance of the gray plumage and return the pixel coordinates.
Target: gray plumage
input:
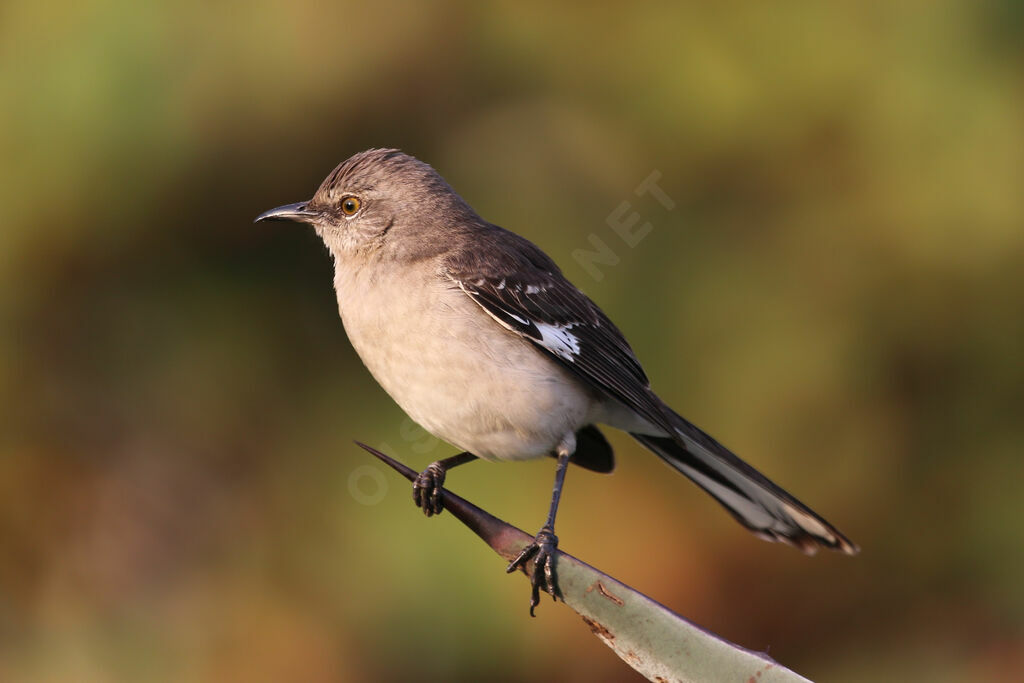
(478, 336)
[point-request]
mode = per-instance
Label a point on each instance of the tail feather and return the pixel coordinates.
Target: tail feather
(754, 500)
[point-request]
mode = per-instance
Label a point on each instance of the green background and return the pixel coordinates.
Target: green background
(836, 295)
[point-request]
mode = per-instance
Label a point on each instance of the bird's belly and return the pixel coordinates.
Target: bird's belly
(467, 380)
(483, 409)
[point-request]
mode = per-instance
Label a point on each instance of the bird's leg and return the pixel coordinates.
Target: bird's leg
(426, 490)
(545, 544)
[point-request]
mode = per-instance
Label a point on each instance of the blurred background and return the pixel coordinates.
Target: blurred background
(833, 290)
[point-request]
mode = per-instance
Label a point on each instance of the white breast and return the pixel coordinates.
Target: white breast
(453, 369)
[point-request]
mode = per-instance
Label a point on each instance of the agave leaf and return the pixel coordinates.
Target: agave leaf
(648, 636)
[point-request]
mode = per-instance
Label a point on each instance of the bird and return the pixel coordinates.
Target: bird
(478, 336)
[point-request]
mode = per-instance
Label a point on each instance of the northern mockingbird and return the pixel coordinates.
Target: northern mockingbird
(477, 335)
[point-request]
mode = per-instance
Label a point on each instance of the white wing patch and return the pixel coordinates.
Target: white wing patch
(519, 318)
(558, 340)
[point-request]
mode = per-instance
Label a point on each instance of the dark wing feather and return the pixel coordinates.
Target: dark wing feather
(523, 290)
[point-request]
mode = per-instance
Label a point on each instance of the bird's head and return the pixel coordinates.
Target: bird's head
(379, 201)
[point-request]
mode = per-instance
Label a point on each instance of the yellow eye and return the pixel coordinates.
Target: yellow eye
(350, 206)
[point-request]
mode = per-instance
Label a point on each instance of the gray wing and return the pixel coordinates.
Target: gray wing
(517, 285)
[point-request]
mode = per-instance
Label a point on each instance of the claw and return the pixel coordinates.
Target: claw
(427, 490)
(542, 552)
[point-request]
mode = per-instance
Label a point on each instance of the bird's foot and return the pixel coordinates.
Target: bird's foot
(542, 551)
(427, 491)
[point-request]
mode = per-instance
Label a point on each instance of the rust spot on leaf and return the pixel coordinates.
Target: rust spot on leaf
(753, 679)
(599, 630)
(604, 592)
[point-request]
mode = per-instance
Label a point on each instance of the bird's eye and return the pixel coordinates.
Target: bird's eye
(350, 206)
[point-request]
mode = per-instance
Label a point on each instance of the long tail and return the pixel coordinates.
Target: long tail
(755, 501)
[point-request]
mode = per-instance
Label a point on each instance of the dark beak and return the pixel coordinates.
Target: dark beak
(288, 212)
